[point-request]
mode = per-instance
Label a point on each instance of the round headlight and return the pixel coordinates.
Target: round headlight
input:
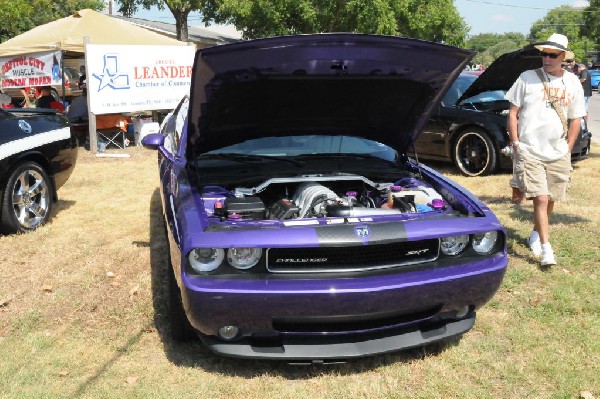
(206, 259)
(454, 245)
(483, 243)
(243, 258)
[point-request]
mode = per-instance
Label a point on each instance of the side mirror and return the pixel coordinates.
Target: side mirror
(153, 141)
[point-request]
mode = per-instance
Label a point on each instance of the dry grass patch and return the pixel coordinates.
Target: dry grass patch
(82, 312)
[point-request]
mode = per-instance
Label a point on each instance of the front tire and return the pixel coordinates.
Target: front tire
(181, 329)
(474, 153)
(27, 200)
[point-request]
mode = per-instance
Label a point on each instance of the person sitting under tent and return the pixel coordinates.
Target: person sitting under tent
(46, 100)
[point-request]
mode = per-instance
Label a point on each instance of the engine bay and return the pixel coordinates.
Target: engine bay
(321, 196)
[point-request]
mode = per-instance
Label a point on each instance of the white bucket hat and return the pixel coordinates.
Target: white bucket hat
(558, 42)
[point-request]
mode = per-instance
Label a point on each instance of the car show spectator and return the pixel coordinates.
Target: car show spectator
(569, 65)
(586, 82)
(78, 109)
(46, 100)
(30, 95)
(541, 102)
(82, 79)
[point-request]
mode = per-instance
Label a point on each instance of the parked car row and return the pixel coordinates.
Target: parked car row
(299, 226)
(469, 127)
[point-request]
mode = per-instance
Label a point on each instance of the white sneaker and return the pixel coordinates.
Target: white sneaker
(535, 244)
(548, 258)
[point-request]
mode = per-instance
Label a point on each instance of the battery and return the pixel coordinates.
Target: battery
(251, 208)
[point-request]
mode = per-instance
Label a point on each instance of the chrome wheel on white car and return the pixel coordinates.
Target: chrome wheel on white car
(27, 199)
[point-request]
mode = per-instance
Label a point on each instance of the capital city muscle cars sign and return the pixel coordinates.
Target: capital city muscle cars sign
(38, 69)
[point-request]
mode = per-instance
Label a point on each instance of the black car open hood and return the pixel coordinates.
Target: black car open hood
(504, 71)
(382, 88)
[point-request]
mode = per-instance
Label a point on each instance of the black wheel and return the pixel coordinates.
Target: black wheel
(27, 200)
(181, 329)
(474, 153)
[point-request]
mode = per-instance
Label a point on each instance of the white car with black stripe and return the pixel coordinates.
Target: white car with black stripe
(37, 155)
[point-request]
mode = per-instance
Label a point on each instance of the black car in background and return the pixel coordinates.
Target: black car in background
(469, 127)
(37, 155)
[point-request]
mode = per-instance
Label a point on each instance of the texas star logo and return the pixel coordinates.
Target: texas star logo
(111, 76)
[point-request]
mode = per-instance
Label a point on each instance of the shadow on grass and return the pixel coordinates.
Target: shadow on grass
(61, 205)
(195, 355)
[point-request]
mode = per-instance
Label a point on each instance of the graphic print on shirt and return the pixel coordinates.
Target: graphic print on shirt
(555, 94)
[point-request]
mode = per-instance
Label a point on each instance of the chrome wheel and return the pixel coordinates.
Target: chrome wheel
(28, 199)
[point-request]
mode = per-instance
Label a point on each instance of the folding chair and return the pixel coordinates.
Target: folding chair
(114, 135)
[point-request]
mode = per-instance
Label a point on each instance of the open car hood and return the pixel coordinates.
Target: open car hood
(504, 71)
(381, 88)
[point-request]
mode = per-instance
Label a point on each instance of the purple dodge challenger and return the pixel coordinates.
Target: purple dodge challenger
(298, 227)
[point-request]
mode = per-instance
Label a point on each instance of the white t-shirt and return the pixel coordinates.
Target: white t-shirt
(540, 128)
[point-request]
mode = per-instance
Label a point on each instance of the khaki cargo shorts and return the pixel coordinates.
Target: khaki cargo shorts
(534, 177)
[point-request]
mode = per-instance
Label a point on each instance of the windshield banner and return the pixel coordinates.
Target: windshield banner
(126, 78)
(39, 69)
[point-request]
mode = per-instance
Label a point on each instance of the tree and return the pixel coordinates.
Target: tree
(490, 46)
(568, 21)
(19, 16)
(436, 20)
(179, 8)
(591, 23)
(489, 55)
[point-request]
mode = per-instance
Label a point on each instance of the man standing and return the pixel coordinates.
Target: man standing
(586, 82)
(546, 105)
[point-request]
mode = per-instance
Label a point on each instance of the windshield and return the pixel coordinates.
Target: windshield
(461, 85)
(313, 145)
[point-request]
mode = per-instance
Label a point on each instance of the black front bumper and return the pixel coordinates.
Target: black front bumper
(327, 348)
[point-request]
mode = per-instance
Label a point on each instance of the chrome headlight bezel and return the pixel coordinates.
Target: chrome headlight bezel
(484, 243)
(205, 260)
(243, 258)
(454, 245)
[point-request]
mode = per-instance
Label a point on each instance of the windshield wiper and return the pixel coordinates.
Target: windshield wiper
(244, 158)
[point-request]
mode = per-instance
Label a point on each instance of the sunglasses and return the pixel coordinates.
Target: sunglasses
(551, 55)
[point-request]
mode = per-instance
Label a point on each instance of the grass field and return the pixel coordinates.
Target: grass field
(82, 308)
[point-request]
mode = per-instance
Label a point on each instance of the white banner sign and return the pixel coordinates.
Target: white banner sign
(39, 69)
(137, 78)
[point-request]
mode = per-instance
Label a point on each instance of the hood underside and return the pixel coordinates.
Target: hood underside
(381, 88)
(504, 71)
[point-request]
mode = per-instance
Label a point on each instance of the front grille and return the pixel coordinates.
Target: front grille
(351, 258)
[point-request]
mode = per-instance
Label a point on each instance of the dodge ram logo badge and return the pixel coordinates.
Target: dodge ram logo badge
(26, 127)
(362, 231)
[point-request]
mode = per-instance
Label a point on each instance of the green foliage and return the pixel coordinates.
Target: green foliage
(436, 20)
(488, 56)
(485, 41)
(179, 8)
(19, 16)
(591, 23)
(490, 46)
(568, 21)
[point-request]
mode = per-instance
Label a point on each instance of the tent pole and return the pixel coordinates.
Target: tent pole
(91, 116)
